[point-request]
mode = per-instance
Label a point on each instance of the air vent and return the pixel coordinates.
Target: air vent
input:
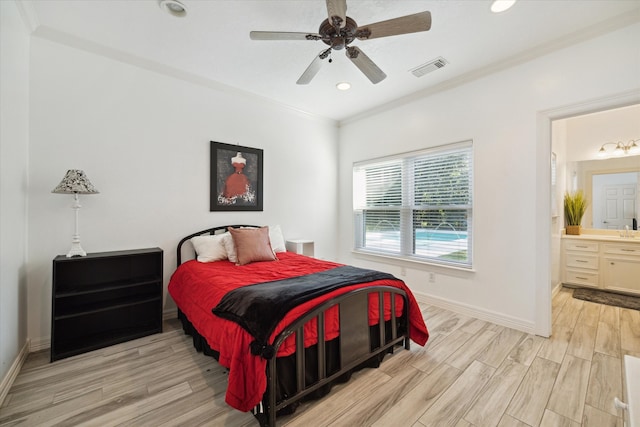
(430, 66)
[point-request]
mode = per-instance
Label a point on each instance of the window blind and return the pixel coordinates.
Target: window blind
(416, 205)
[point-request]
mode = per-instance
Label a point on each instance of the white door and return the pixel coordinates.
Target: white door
(619, 206)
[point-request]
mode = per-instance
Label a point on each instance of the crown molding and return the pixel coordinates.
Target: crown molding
(604, 27)
(28, 14)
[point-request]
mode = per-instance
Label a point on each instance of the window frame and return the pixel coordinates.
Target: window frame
(406, 217)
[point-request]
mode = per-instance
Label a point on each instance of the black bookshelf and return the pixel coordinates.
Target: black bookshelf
(104, 299)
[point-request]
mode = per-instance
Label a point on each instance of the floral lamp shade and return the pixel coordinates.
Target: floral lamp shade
(75, 182)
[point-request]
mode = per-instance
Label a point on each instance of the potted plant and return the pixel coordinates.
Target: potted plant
(575, 205)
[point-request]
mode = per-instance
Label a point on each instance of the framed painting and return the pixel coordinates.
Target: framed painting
(236, 178)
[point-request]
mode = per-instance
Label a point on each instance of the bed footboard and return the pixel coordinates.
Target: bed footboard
(355, 345)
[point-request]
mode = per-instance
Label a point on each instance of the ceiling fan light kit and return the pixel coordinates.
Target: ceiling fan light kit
(338, 31)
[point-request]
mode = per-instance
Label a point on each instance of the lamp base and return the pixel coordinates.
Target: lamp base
(76, 250)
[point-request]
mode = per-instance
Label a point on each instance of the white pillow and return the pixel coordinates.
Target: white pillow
(230, 247)
(277, 239)
(209, 248)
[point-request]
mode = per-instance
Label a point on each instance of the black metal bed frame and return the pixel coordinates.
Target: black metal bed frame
(355, 347)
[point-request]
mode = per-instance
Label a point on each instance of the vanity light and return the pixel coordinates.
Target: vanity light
(343, 86)
(501, 5)
(620, 148)
(173, 7)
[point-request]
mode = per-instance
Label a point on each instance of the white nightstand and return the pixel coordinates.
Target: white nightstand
(300, 246)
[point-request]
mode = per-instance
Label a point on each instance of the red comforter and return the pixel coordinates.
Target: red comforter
(198, 287)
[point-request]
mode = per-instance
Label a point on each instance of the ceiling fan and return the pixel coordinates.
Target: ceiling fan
(339, 30)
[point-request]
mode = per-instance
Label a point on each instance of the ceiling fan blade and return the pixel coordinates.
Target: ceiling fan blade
(337, 13)
(365, 64)
(279, 35)
(393, 27)
(313, 68)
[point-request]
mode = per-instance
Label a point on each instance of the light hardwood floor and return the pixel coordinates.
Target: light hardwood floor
(471, 373)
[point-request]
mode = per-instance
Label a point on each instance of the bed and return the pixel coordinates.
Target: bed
(285, 325)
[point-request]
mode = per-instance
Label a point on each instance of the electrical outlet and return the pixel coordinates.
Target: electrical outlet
(403, 271)
(432, 277)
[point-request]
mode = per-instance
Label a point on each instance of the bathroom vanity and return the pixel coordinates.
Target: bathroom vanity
(602, 261)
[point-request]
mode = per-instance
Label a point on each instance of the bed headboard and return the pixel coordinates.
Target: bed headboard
(209, 231)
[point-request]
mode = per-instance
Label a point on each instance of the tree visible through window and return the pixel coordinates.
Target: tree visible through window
(417, 205)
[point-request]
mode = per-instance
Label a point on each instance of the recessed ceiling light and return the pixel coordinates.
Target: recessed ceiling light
(343, 86)
(501, 5)
(174, 7)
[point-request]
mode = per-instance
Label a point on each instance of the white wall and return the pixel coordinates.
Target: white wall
(587, 133)
(142, 137)
(14, 139)
(501, 114)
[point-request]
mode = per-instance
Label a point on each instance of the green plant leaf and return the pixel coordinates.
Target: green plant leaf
(575, 205)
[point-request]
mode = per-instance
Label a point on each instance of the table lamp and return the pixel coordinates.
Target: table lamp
(75, 182)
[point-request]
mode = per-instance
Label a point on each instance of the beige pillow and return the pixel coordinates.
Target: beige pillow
(252, 245)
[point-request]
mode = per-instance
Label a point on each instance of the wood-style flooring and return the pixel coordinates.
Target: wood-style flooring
(471, 373)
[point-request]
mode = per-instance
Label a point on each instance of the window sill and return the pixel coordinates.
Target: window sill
(409, 261)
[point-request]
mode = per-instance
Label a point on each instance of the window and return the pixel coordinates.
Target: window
(416, 205)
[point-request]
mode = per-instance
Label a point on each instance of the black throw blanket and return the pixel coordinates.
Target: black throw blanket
(258, 308)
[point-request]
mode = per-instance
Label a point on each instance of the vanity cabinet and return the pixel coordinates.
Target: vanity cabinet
(601, 263)
(582, 263)
(621, 268)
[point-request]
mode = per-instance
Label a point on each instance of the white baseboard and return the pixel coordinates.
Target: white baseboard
(8, 379)
(556, 289)
(476, 312)
(38, 344)
(172, 313)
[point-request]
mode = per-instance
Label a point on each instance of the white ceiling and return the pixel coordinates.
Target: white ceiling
(211, 44)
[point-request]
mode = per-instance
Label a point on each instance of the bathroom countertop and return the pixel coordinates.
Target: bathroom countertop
(606, 237)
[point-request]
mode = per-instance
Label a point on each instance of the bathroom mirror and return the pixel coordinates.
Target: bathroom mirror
(611, 186)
